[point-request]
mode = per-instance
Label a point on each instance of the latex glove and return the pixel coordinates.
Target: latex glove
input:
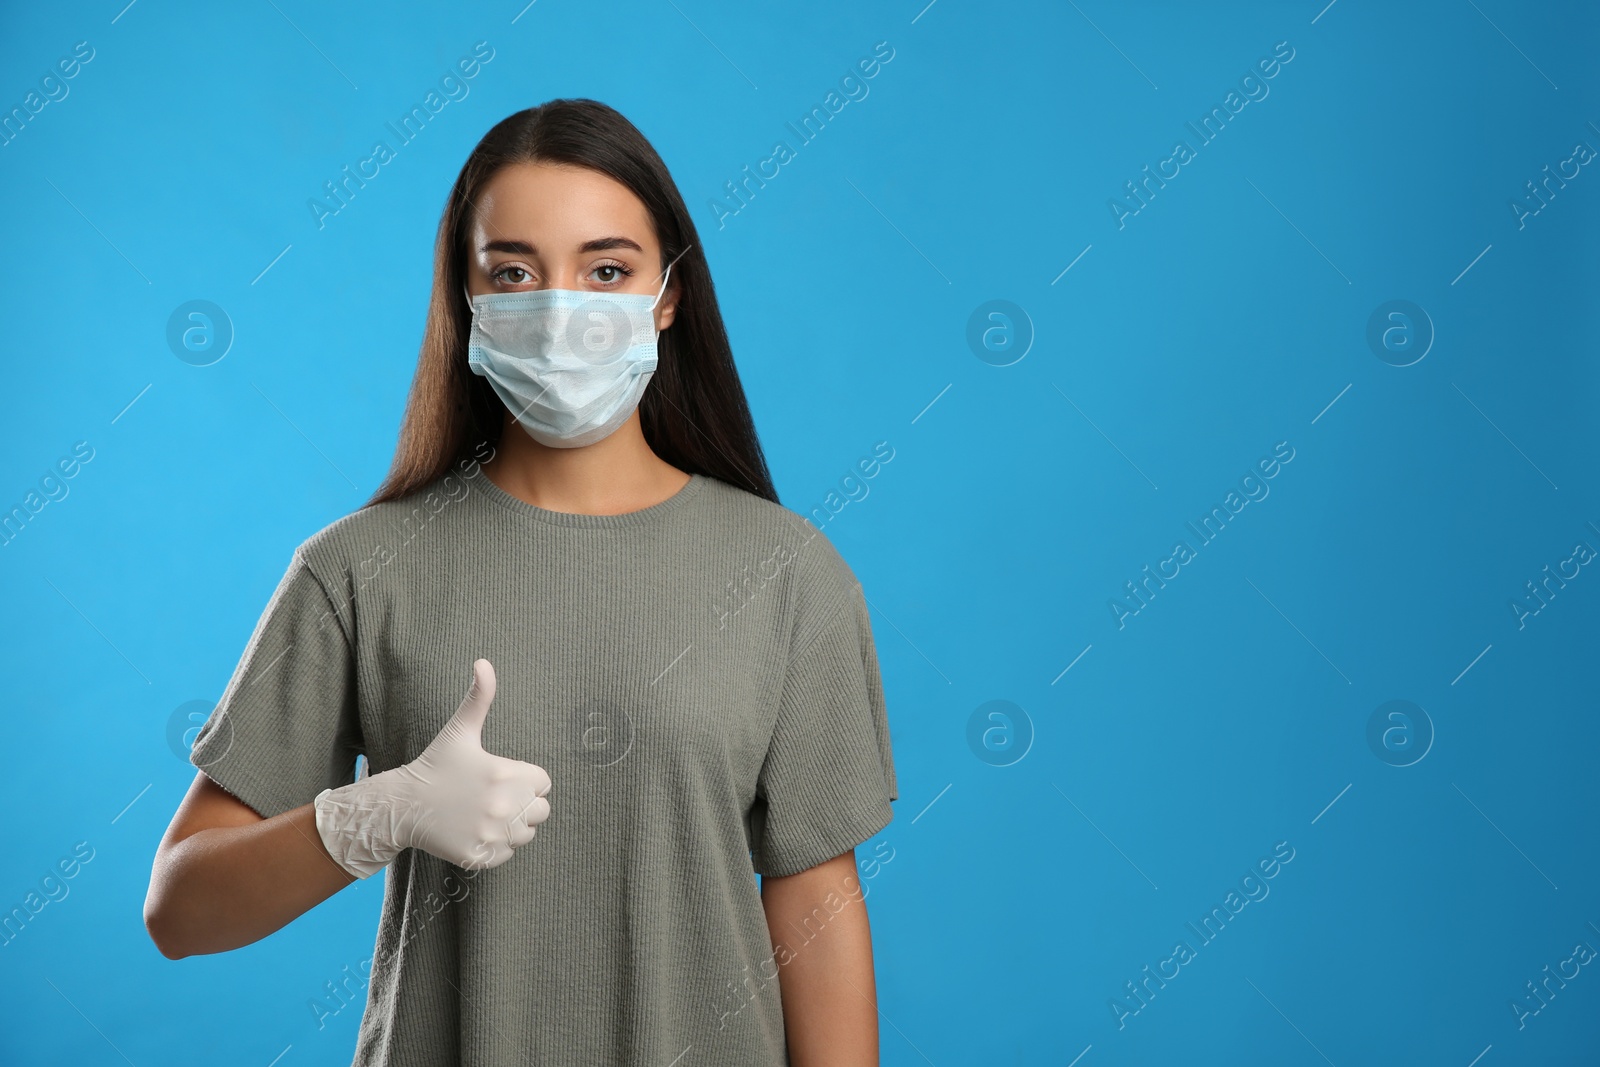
(454, 801)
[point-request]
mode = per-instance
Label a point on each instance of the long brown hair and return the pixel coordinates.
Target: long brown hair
(693, 412)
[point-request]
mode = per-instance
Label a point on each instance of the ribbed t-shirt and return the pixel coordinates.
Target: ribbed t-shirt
(698, 678)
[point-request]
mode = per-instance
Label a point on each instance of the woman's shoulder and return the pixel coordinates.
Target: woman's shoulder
(744, 514)
(372, 531)
(819, 577)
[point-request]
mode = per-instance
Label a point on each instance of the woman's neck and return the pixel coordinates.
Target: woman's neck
(610, 477)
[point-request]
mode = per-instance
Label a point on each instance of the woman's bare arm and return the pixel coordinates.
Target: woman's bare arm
(830, 1004)
(225, 877)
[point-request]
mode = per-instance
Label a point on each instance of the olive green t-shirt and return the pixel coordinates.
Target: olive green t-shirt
(698, 678)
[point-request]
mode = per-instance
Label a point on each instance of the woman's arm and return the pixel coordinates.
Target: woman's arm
(830, 1004)
(224, 877)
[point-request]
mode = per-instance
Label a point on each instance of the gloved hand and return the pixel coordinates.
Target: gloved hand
(455, 801)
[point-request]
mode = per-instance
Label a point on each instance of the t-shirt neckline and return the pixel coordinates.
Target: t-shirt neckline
(641, 517)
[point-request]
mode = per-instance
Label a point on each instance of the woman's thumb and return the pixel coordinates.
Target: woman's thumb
(475, 705)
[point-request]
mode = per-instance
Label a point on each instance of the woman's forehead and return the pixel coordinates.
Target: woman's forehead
(557, 208)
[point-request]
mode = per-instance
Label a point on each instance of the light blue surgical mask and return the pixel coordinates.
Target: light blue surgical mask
(570, 365)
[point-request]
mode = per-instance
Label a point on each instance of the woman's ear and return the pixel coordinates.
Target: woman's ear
(667, 309)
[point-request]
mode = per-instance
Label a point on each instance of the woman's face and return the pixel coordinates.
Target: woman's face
(553, 226)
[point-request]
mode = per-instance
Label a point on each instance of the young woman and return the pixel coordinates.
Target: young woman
(673, 683)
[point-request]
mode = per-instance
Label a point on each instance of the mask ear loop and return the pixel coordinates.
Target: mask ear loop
(664, 276)
(663, 292)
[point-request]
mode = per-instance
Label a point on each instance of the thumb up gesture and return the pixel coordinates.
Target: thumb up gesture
(455, 800)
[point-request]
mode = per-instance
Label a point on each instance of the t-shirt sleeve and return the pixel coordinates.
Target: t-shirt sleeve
(288, 724)
(828, 777)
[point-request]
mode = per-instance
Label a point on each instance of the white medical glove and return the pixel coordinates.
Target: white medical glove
(455, 801)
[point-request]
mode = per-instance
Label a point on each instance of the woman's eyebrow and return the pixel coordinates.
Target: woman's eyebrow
(598, 244)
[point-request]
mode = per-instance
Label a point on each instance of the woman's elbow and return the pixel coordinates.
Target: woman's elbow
(157, 912)
(160, 939)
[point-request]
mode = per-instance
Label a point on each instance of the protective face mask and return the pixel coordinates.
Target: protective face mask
(570, 365)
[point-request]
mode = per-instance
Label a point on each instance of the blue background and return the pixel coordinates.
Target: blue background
(1041, 859)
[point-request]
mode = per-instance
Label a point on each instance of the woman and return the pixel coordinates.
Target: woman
(673, 689)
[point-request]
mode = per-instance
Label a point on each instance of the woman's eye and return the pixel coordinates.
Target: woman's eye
(615, 272)
(504, 275)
